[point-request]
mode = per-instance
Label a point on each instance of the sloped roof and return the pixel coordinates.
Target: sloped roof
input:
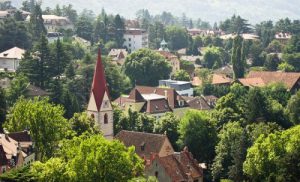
(180, 165)
(9, 145)
(220, 79)
(196, 81)
(135, 96)
(13, 53)
(157, 106)
(22, 136)
(99, 82)
(287, 78)
(152, 142)
(198, 103)
(171, 94)
(252, 82)
(117, 52)
(166, 54)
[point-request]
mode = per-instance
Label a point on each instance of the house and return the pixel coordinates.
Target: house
(4, 14)
(99, 105)
(177, 167)
(200, 32)
(54, 36)
(16, 150)
(154, 101)
(183, 88)
(245, 36)
(10, 59)
(135, 39)
(146, 144)
(118, 55)
(192, 59)
(283, 37)
(55, 23)
(199, 103)
(172, 59)
(261, 78)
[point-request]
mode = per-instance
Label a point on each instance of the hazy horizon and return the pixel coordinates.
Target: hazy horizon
(208, 10)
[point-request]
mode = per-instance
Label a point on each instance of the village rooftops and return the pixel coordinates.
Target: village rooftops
(146, 143)
(13, 53)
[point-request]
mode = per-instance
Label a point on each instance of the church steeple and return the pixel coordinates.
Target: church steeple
(99, 82)
(99, 106)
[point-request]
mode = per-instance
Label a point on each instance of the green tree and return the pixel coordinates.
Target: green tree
(213, 57)
(37, 22)
(91, 158)
(286, 67)
(293, 108)
(199, 135)
(272, 62)
(44, 120)
(84, 27)
(237, 57)
(81, 123)
(14, 33)
(275, 157)
(3, 106)
(181, 75)
(17, 88)
(119, 27)
(168, 124)
(145, 67)
(61, 59)
(177, 37)
(230, 153)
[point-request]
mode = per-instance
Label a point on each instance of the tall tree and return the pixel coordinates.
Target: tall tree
(199, 135)
(177, 37)
(293, 108)
(119, 27)
(45, 122)
(37, 22)
(145, 67)
(237, 57)
(3, 107)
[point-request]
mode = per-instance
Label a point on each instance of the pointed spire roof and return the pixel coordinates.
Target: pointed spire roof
(99, 82)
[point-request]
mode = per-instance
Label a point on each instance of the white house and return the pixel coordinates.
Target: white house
(10, 59)
(183, 88)
(135, 39)
(54, 23)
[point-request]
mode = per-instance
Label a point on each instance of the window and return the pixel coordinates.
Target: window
(105, 105)
(105, 118)
(129, 45)
(129, 39)
(156, 174)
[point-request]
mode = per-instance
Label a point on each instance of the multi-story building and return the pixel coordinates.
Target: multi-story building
(135, 39)
(55, 23)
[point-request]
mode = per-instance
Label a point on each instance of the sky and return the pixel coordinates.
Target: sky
(208, 10)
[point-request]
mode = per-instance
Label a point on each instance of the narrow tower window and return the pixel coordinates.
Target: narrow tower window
(105, 118)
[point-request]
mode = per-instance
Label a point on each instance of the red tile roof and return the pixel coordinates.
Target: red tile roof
(181, 166)
(252, 82)
(157, 106)
(135, 96)
(219, 79)
(99, 82)
(287, 78)
(22, 136)
(152, 143)
(172, 95)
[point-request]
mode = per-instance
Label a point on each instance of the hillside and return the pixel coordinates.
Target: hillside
(210, 10)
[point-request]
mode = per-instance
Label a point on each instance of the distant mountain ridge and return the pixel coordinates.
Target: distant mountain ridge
(208, 10)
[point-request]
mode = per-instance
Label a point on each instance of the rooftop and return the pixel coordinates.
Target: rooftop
(13, 53)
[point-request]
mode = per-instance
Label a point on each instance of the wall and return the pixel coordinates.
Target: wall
(10, 64)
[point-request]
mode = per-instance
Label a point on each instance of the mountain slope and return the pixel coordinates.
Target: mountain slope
(209, 10)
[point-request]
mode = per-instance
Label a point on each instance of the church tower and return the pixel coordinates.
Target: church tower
(99, 106)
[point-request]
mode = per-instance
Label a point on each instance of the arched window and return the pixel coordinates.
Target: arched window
(105, 118)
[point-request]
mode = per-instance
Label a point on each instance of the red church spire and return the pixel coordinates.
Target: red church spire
(99, 82)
